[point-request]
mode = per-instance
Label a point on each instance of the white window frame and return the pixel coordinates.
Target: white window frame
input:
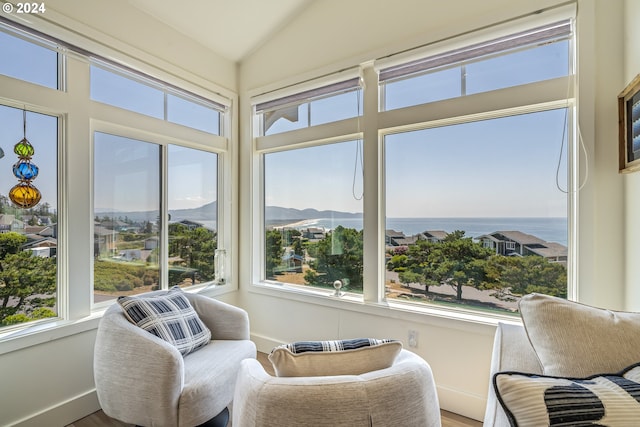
(373, 125)
(79, 116)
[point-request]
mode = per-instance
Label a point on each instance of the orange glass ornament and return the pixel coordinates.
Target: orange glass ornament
(25, 195)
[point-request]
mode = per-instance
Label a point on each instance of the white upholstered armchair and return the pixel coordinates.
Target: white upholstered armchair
(142, 379)
(402, 395)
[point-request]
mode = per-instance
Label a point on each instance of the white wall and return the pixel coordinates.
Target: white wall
(332, 35)
(632, 181)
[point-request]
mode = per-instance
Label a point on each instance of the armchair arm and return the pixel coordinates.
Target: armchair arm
(225, 321)
(138, 376)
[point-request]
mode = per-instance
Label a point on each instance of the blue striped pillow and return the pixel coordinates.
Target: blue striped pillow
(169, 316)
(338, 345)
(342, 357)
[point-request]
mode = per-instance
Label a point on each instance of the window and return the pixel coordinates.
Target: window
(142, 190)
(125, 89)
(127, 231)
(471, 163)
(313, 219)
(127, 211)
(326, 104)
(194, 114)
(193, 212)
(29, 237)
(488, 221)
(29, 61)
(126, 92)
(313, 234)
(476, 193)
(537, 54)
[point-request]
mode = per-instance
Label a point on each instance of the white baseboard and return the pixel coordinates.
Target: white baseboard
(461, 403)
(63, 413)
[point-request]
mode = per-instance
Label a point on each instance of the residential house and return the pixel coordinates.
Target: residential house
(292, 262)
(433, 236)
(10, 223)
(104, 240)
(392, 237)
(313, 233)
(522, 244)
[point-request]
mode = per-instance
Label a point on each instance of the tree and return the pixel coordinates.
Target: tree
(195, 246)
(338, 257)
(511, 275)
(456, 260)
(24, 278)
(11, 243)
(273, 252)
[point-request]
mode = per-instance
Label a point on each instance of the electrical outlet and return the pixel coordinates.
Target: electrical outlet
(413, 338)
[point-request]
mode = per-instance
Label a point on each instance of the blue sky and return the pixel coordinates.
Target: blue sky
(494, 168)
(127, 175)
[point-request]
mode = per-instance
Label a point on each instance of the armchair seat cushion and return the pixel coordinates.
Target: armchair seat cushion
(210, 376)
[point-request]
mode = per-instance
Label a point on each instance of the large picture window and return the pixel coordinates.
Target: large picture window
(488, 220)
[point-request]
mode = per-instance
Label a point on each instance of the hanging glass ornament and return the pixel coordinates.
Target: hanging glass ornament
(24, 195)
(25, 170)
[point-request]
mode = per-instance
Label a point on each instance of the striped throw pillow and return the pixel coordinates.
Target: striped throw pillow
(341, 357)
(602, 400)
(169, 316)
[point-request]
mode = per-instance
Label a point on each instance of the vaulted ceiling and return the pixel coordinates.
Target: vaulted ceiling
(231, 28)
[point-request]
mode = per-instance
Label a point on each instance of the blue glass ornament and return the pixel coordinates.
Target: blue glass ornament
(25, 170)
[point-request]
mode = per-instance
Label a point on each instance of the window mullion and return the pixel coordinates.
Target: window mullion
(373, 270)
(163, 255)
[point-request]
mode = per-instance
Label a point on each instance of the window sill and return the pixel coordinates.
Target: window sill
(417, 313)
(44, 331)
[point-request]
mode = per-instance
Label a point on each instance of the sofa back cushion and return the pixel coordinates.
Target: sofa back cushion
(576, 340)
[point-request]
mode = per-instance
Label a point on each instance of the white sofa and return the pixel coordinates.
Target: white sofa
(567, 364)
(511, 352)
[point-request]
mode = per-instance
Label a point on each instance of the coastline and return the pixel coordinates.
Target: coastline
(550, 229)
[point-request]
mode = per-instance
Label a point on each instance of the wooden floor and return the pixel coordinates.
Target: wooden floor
(99, 419)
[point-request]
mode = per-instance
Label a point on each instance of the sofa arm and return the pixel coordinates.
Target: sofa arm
(225, 321)
(138, 376)
(511, 352)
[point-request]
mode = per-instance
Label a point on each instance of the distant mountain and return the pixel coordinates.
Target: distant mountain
(276, 213)
(203, 213)
(209, 212)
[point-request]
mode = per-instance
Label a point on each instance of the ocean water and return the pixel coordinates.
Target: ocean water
(548, 229)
